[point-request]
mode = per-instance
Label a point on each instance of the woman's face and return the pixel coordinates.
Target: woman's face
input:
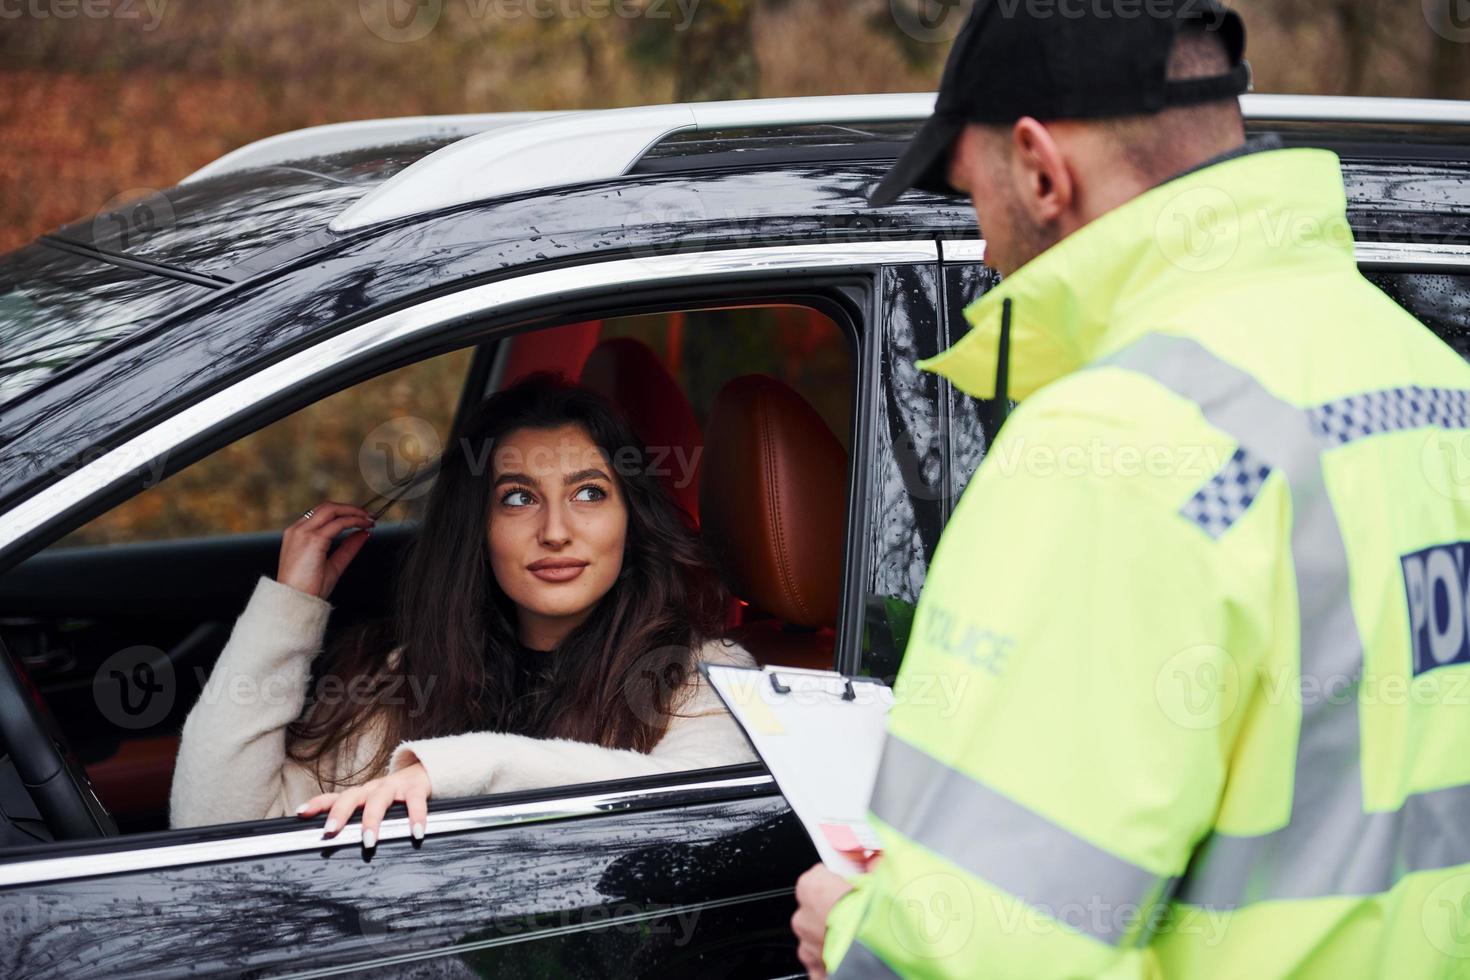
(558, 523)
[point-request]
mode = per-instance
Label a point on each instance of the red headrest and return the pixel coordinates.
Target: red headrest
(774, 500)
(630, 375)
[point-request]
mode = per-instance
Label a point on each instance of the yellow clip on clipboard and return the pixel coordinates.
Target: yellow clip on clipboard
(820, 733)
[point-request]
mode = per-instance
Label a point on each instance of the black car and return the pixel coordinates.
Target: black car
(173, 375)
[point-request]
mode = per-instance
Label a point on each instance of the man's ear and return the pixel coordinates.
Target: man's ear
(1043, 179)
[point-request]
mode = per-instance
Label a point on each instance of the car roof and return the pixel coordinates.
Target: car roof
(277, 200)
(212, 226)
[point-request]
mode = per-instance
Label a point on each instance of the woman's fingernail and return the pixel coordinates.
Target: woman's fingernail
(418, 831)
(302, 808)
(369, 838)
(331, 826)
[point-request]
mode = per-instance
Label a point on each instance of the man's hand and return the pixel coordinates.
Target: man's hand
(817, 890)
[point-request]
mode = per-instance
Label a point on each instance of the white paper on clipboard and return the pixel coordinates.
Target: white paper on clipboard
(820, 734)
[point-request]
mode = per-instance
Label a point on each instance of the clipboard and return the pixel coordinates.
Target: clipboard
(820, 733)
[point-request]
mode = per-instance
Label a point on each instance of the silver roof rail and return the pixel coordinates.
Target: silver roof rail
(607, 143)
(596, 145)
(1334, 108)
(318, 141)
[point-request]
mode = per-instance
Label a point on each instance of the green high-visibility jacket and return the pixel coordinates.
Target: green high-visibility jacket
(1202, 614)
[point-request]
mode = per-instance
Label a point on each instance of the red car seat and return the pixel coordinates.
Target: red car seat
(774, 506)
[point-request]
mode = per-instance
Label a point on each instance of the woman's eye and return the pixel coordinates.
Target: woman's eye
(589, 494)
(516, 498)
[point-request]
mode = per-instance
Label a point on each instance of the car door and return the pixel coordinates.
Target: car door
(683, 874)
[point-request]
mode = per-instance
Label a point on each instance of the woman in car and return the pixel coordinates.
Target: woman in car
(547, 621)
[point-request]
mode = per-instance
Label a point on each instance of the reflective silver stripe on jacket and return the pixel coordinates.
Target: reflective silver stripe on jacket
(1330, 846)
(861, 963)
(999, 840)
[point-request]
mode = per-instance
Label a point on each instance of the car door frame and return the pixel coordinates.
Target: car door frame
(406, 334)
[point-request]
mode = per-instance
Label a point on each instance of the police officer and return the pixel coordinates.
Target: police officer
(1217, 558)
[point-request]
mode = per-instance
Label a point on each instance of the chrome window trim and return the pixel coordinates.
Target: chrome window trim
(39, 869)
(1431, 255)
(113, 468)
(1371, 254)
(963, 250)
(1354, 109)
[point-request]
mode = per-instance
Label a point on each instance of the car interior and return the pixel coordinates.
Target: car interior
(750, 405)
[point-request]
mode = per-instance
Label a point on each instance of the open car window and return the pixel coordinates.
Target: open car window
(162, 578)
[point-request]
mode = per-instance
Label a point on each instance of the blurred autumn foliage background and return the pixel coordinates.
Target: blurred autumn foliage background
(101, 98)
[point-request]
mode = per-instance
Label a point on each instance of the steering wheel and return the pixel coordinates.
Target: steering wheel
(57, 783)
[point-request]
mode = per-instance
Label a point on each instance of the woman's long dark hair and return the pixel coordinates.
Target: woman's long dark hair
(613, 681)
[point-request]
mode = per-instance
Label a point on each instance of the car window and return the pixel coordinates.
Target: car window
(152, 588)
(1441, 301)
(347, 447)
(57, 307)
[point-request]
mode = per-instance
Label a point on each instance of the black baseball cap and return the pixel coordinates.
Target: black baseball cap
(1062, 59)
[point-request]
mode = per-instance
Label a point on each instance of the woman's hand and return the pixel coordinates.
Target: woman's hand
(305, 564)
(408, 785)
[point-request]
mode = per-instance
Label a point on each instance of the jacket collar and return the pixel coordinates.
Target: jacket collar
(1203, 232)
